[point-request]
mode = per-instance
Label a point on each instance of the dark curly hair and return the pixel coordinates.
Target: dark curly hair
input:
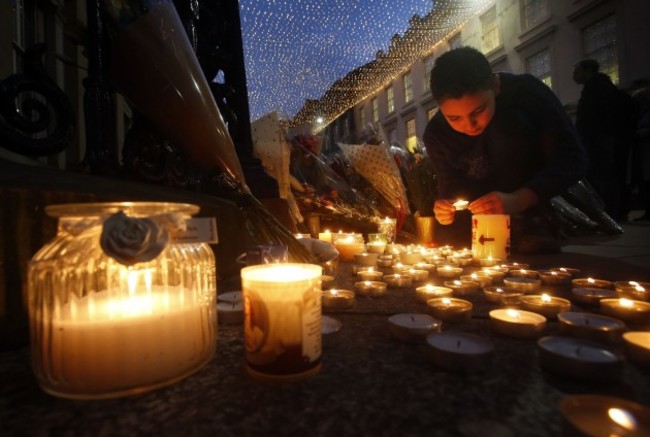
(458, 72)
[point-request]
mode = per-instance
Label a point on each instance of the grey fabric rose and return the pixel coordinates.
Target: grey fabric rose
(131, 240)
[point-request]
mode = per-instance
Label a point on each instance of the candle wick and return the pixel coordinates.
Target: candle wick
(412, 319)
(578, 350)
(458, 344)
(586, 321)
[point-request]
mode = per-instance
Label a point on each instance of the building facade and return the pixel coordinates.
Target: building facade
(541, 37)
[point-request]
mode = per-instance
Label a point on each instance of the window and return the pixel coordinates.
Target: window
(390, 99)
(533, 12)
(431, 112)
(411, 140)
(599, 43)
(539, 65)
(362, 118)
(407, 82)
(375, 110)
(428, 65)
(455, 41)
(490, 30)
(392, 136)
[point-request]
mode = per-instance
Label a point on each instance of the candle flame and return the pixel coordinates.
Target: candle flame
(366, 283)
(546, 298)
(335, 292)
(590, 280)
(633, 283)
(446, 301)
(474, 276)
(457, 282)
(627, 303)
(513, 313)
(639, 288)
(622, 418)
(499, 290)
(429, 287)
(554, 273)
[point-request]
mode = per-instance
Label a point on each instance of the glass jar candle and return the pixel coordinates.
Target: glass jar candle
(119, 302)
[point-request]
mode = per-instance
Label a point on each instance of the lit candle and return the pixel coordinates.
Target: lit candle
(449, 272)
(496, 275)
(450, 309)
(376, 246)
(230, 313)
(282, 320)
(570, 270)
(589, 326)
(489, 261)
(637, 347)
(411, 257)
(388, 228)
(591, 296)
(490, 236)
(502, 296)
(399, 268)
(325, 236)
(429, 291)
(418, 275)
(553, 277)
(425, 266)
(326, 281)
(546, 305)
(335, 299)
(630, 311)
(632, 290)
(398, 280)
(462, 288)
(366, 259)
(370, 288)
(524, 273)
(481, 280)
(516, 323)
(460, 204)
(412, 327)
(578, 358)
(527, 285)
(370, 275)
(460, 352)
(596, 415)
(515, 266)
(348, 245)
(591, 283)
(298, 236)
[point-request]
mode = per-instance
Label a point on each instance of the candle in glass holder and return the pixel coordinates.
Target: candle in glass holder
(591, 283)
(546, 305)
(461, 204)
(555, 277)
(418, 275)
(370, 275)
(637, 347)
(450, 309)
(633, 289)
(630, 311)
(388, 227)
(335, 299)
(596, 415)
(591, 296)
(579, 358)
(527, 285)
(482, 280)
(398, 280)
(517, 323)
(376, 246)
(429, 291)
(501, 295)
(348, 245)
(590, 326)
(282, 320)
(523, 273)
(365, 259)
(412, 327)
(462, 288)
(460, 352)
(449, 272)
(370, 288)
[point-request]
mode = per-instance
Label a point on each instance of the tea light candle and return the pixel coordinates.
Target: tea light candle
(335, 299)
(637, 347)
(365, 259)
(570, 270)
(591, 326)
(546, 305)
(376, 246)
(462, 288)
(630, 311)
(325, 236)
(578, 358)
(527, 285)
(523, 273)
(370, 288)
(398, 280)
(385, 262)
(230, 296)
(326, 281)
(450, 309)
(370, 275)
(356, 269)
(425, 266)
(449, 272)
(230, 313)
(457, 351)
(516, 323)
(496, 275)
(412, 257)
(429, 291)
(596, 415)
(461, 204)
(502, 296)
(632, 289)
(399, 268)
(515, 266)
(298, 236)
(348, 245)
(591, 283)
(553, 277)
(481, 280)
(418, 275)
(591, 296)
(413, 327)
(489, 261)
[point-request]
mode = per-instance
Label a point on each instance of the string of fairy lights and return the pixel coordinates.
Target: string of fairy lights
(311, 59)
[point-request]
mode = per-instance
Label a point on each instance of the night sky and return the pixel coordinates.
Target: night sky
(295, 49)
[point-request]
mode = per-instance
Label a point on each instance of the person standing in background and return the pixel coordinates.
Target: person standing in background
(606, 121)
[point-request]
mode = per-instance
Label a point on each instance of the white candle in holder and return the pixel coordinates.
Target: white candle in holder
(335, 299)
(450, 309)
(429, 291)
(460, 352)
(398, 280)
(370, 288)
(630, 311)
(370, 275)
(546, 305)
(412, 327)
(516, 323)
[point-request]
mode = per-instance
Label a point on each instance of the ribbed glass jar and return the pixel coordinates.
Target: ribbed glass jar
(117, 306)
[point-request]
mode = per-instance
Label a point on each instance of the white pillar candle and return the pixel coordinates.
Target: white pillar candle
(491, 236)
(282, 323)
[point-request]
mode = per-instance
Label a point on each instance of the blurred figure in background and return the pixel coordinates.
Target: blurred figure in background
(642, 152)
